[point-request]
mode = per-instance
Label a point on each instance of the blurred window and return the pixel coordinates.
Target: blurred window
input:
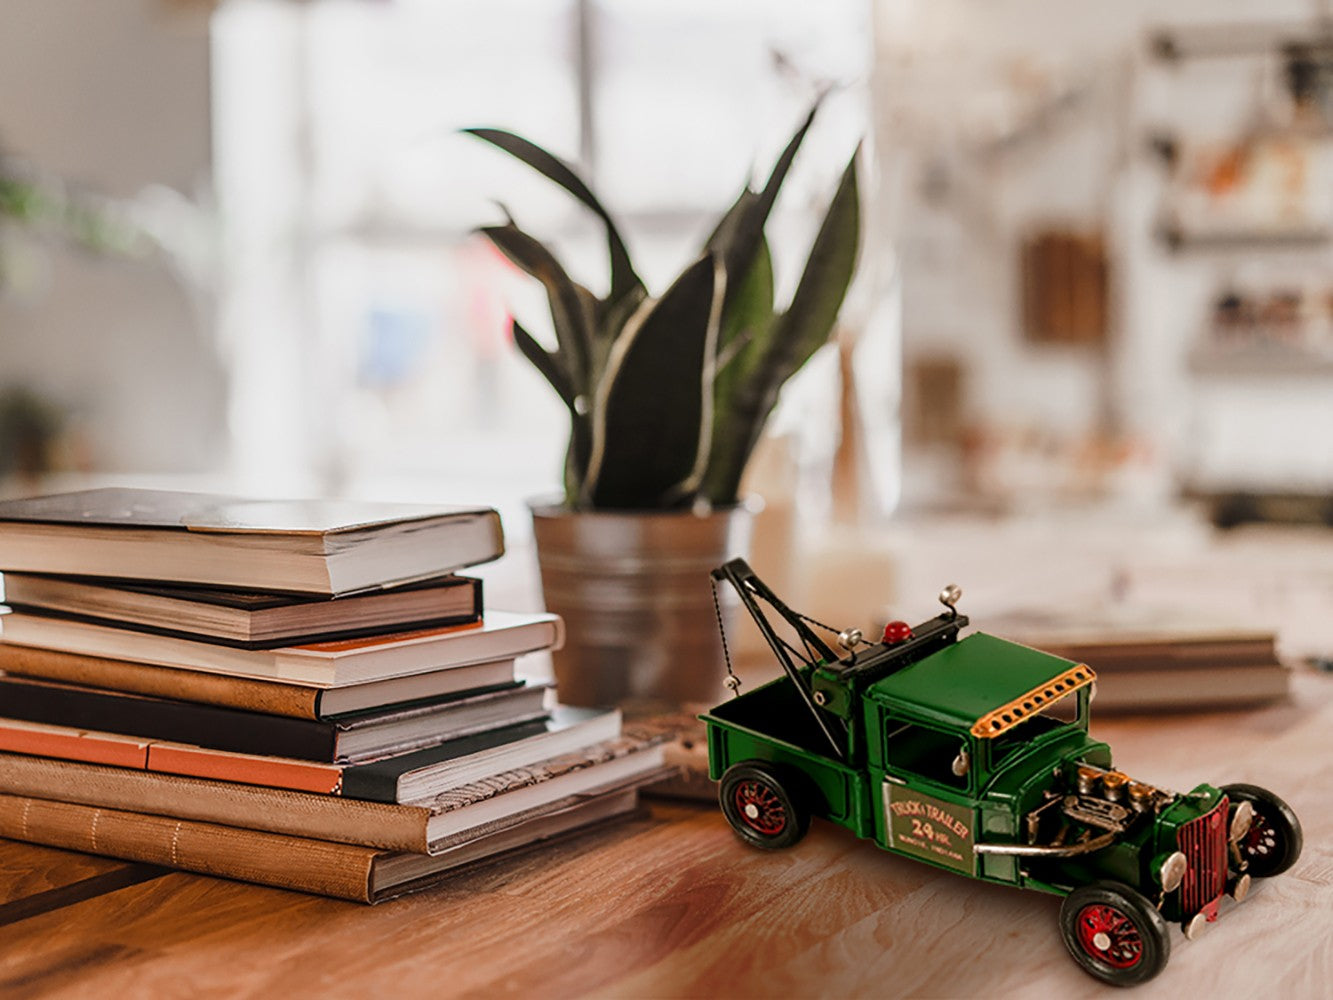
(341, 166)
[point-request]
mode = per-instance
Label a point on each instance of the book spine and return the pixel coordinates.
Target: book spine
(297, 814)
(271, 697)
(73, 744)
(220, 765)
(161, 719)
(314, 866)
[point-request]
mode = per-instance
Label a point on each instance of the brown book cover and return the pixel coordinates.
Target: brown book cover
(423, 828)
(311, 546)
(251, 694)
(344, 871)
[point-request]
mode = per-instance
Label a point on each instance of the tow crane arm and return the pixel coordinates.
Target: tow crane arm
(748, 587)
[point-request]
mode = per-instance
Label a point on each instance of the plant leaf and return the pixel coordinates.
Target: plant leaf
(611, 320)
(568, 309)
(740, 237)
(808, 321)
(725, 231)
(652, 414)
(752, 307)
(766, 363)
(623, 278)
(552, 367)
(548, 363)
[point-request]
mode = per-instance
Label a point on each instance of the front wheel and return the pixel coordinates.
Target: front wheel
(758, 802)
(1273, 842)
(1114, 933)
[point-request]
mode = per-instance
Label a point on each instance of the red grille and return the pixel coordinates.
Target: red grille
(1204, 844)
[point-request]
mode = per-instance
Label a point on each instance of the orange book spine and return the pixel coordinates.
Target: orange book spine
(273, 772)
(72, 744)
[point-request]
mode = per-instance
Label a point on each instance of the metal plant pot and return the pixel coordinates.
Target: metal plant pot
(633, 588)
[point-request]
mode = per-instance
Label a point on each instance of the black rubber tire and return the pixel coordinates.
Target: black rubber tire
(1114, 933)
(1275, 839)
(760, 804)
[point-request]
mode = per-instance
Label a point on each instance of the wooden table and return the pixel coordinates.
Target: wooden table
(673, 905)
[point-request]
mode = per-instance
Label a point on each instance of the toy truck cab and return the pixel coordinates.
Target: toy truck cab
(973, 754)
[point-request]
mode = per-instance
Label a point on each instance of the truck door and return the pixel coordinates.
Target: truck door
(928, 793)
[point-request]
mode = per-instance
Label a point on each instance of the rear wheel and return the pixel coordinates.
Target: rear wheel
(1273, 842)
(758, 801)
(1114, 933)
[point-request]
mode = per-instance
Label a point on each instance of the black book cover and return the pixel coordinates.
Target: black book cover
(378, 780)
(381, 780)
(208, 726)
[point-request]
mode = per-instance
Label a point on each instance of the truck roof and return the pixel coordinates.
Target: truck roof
(982, 683)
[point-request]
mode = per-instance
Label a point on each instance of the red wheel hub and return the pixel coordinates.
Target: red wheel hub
(760, 808)
(1109, 936)
(1261, 839)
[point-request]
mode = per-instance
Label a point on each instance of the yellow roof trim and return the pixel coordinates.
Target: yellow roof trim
(1004, 718)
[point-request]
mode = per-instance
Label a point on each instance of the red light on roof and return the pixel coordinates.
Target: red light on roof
(895, 632)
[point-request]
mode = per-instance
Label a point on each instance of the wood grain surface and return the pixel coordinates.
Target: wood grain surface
(674, 906)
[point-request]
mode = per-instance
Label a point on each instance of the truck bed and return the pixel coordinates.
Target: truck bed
(777, 711)
(773, 724)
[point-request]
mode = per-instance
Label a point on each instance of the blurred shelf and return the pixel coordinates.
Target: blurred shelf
(1172, 43)
(1181, 239)
(1260, 361)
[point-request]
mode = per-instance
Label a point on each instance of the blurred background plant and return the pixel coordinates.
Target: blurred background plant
(39, 206)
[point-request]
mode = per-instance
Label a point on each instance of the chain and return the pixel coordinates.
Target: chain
(826, 628)
(732, 682)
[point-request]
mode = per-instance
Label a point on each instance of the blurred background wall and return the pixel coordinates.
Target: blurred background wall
(1096, 269)
(110, 99)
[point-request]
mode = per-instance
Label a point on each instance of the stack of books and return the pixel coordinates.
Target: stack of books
(301, 694)
(1152, 659)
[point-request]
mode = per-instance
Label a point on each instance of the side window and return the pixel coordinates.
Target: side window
(932, 753)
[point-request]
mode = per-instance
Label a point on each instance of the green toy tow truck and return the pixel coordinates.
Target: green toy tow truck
(973, 754)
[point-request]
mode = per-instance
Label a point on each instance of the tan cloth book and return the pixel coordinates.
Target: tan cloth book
(361, 874)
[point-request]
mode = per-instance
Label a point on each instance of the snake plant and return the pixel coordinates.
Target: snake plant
(668, 394)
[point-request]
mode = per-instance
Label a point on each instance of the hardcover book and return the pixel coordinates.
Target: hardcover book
(344, 871)
(424, 827)
(247, 618)
(501, 635)
(299, 701)
(342, 739)
(311, 546)
(402, 778)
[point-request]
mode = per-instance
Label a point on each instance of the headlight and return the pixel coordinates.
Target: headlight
(1241, 820)
(1172, 872)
